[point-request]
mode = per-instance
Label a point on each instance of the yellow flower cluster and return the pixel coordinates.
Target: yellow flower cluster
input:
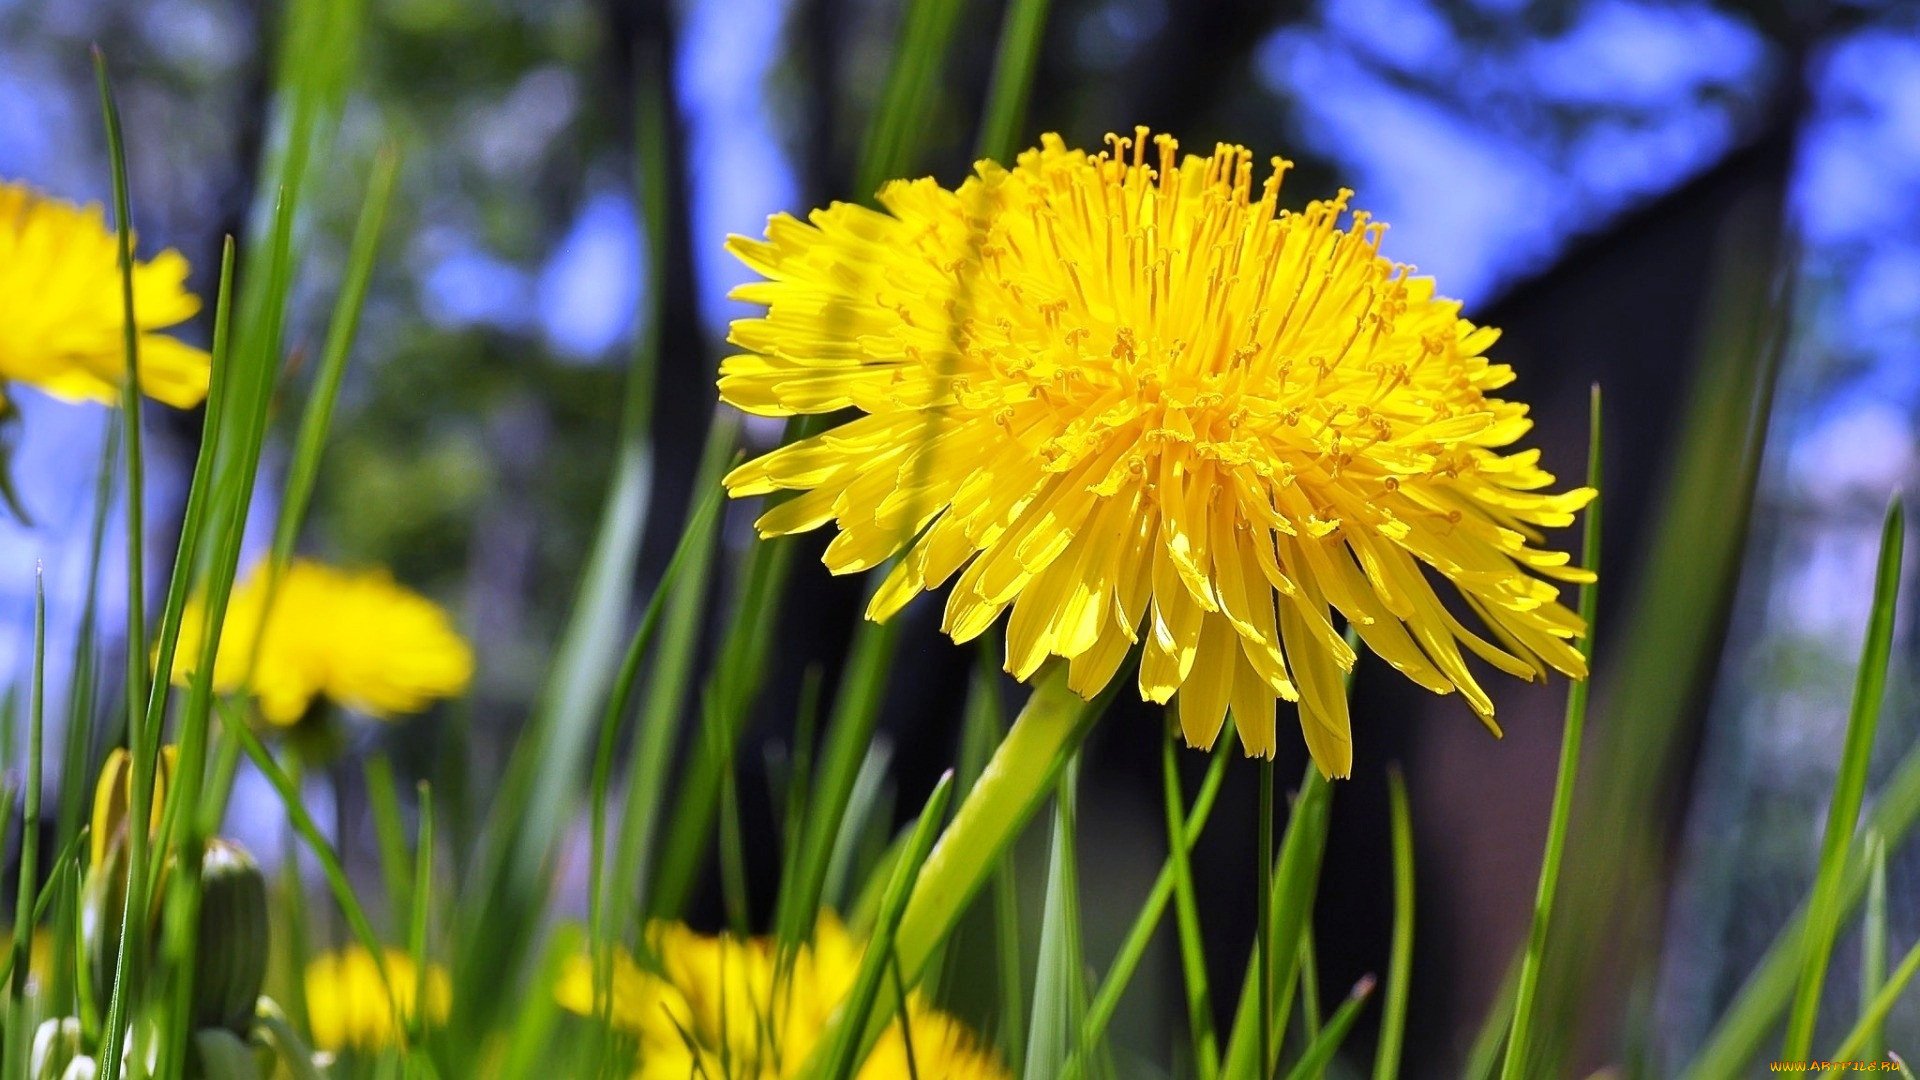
(354, 637)
(61, 313)
(720, 1000)
(349, 1008)
(1130, 400)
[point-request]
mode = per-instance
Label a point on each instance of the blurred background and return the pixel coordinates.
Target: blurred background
(1706, 208)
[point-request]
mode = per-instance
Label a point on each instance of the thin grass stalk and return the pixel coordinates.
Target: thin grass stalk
(141, 747)
(1193, 960)
(1849, 792)
(1393, 1021)
(1753, 1017)
(1263, 953)
(1572, 734)
(1319, 1053)
(1059, 993)
(422, 913)
(390, 839)
(1106, 1000)
(1874, 1012)
(844, 1040)
(1295, 879)
(28, 869)
(1873, 942)
(1022, 31)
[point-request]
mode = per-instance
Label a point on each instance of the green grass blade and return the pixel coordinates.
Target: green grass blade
(1319, 1053)
(1106, 1000)
(1393, 1021)
(1561, 815)
(309, 832)
(1295, 879)
(1849, 792)
(1023, 771)
(845, 1039)
(422, 914)
(1309, 983)
(141, 743)
(1059, 992)
(396, 866)
(900, 126)
(28, 867)
(849, 735)
(317, 421)
(1866, 1029)
(684, 587)
(1753, 1017)
(1193, 960)
(1021, 32)
(1873, 942)
(543, 781)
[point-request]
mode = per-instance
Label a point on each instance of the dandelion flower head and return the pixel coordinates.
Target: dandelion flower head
(355, 637)
(61, 307)
(1128, 399)
(349, 1008)
(721, 1006)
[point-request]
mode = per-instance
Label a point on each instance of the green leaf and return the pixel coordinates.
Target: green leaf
(900, 127)
(1572, 734)
(1393, 1024)
(1824, 906)
(844, 1040)
(1060, 993)
(1320, 1051)
(1193, 958)
(1022, 30)
(1873, 942)
(1295, 880)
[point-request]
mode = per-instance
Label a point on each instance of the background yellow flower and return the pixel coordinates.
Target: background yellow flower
(353, 636)
(735, 1001)
(61, 319)
(348, 1007)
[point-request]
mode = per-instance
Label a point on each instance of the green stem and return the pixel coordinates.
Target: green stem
(1018, 779)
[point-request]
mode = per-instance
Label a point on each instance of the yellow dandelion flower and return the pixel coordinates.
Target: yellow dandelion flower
(720, 1003)
(1130, 398)
(61, 323)
(354, 637)
(348, 1007)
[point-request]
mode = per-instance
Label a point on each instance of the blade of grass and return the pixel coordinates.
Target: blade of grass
(1874, 1014)
(684, 588)
(1021, 32)
(849, 734)
(1059, 992)
(1873, 941)
(1133, 947)
(396, 866)
(1393, 1022)
(1849, 792)
(544, 778)
(1295, 879)
(128, 974)
(1023, 770)
(1559, 818)
(24, 916)
(1309, 986)
(900, 127)
(1319, 1052)
(422, 913)
(844, 1041)
(1264, 943)
(869, 814)
(316, 842)
(1753, 1017)
(1193, 959)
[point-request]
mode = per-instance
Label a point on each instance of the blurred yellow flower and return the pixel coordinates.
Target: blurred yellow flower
(1128, 397)
(348, 1007)
(720, 1000)
(354, 637)
(61, 322)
